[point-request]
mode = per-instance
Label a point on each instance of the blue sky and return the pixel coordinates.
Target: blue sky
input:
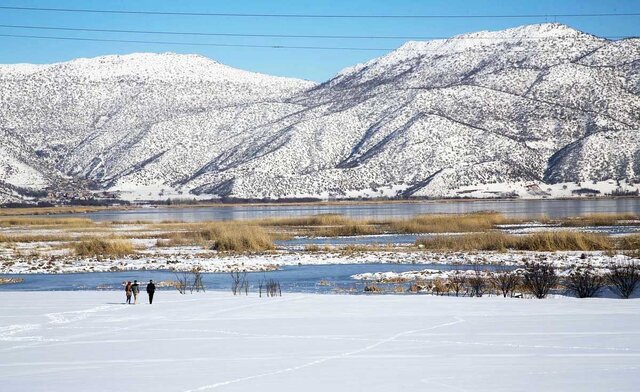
(308, 64)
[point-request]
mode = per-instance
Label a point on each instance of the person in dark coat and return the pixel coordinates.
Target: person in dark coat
(135, 288)
(127, 291)
(151, 288)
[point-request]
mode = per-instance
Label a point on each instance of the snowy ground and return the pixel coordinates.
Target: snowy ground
(61, 341)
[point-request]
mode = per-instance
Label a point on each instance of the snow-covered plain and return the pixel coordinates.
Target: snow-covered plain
(60, 341)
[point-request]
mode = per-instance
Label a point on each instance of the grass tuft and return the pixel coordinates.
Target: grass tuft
(449, 223)
(44, 221)
(103, 247)
(541, 242)
(599, 220)
(223, 236)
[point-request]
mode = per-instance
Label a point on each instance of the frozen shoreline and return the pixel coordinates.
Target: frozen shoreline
(188, 258)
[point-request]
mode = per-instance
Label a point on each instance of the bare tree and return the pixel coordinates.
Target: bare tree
(239, 282)
(457, 282)
(584, 282)
(182, 281)
(623, 278)
(539, 278)
(505, 282)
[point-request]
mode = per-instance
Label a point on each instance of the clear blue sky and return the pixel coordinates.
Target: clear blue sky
(307, 64)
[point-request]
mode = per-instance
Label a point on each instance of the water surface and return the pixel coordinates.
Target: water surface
(511, 208)
(304, 278)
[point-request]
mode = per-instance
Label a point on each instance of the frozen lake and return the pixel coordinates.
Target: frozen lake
(514, 208)
(62, 341)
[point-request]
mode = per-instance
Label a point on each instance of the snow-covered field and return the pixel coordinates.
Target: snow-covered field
(61, 341)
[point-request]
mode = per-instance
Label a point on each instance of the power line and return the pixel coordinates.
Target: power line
(192, 43)
(333, 16)
(195, 33)
(217, 44)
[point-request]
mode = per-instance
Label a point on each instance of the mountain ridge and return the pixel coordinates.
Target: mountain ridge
(490, 111)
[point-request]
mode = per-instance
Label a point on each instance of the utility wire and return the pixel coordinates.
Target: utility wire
(196, 33)
(191, 43)
(226, 45)
(343, 16)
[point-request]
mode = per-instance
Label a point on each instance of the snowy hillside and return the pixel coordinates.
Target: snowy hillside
(536, 104)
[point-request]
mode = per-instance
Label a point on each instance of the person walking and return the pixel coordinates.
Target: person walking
(135, 288)
(127, 291)
(151, 288)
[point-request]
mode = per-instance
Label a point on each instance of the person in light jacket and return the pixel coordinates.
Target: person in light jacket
(127, 291)
(151, 288)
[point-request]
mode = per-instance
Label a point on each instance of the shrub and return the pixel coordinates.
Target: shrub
(103, 247)
(584, 282)
(623, 278)
(539, 279)
(457, 282)
(505, 282)
(477, 283)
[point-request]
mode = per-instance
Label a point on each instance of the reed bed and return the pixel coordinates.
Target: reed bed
(224, 236)
(12, 238)
(449, 223)
(56, 210)
(312, 220)
(44, 221)
(91, 247)
(345, 230)
(600, 220)
(541, 242)
(629, 242)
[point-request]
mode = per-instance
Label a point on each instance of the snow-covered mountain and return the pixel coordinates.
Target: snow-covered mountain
(539, 103)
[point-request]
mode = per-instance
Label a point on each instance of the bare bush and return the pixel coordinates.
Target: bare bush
(272, 288)
(584, 282)
(477, 283)
(182, 281)
(505, 282)
(623, 278)
(457, 282)
(439, 287)
(239, 282)
(197, 280)
(189, 280)
(539, 279)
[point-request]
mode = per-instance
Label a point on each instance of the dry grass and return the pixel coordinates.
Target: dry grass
(346, 230)
(313, 220)
(629, 242)
(449, 223)
(35, 238)
(541, 242)
(55, 210)
(103, 247)
(44, 221)
(224, 236)
(599, 220)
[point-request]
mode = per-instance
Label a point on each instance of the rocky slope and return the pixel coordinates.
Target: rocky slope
(539, 103)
